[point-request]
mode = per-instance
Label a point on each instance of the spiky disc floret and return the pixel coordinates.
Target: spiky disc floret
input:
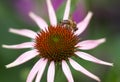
(56, 44)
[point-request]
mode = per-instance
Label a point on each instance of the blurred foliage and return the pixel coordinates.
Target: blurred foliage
(105, 23)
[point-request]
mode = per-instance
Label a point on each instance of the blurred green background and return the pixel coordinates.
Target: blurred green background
(105, 23)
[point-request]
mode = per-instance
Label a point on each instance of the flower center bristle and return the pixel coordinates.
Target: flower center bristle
(56, 44)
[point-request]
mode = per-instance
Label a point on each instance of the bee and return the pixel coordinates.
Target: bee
(69, 24)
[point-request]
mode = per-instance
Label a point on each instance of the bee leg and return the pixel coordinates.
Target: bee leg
(75, 29)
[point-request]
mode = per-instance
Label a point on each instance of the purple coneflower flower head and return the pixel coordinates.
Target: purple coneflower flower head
(23, 7)
(56, 43)
(57, 3)
(80, 11)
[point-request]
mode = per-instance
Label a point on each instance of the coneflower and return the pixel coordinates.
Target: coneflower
(56, 43)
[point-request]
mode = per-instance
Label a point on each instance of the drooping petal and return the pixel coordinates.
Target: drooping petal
(20, 46)
(90, 44)
(67, 71)
(78, 67)
(39, 21)
(24, 32)
(51, 12)
(51, 72)
(67, 10)
(91, 58)
(23, 58)
(83, 24)
(41, 70)
(35, 69)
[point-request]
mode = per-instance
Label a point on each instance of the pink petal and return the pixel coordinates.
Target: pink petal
(51, 12)
(51, 72)
(34, 70)
(90, 44)
(23, 58)
(24, 32)
(67, 71)
(91, 58)
(78, 67)
(41, 70)
(20, 46)
(39, 21)
(67, 10)
(83, 24)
